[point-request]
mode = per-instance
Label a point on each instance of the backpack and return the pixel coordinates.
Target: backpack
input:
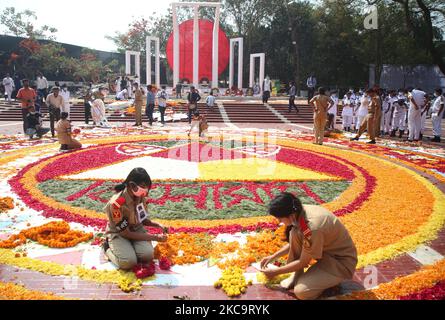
(163, 95)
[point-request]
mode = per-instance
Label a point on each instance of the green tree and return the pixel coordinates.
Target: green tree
(21, 24)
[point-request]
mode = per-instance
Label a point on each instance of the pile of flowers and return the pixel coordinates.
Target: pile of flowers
(12, 291)
(183, 248)
(6, 204)
(56, 234)
(233, 282)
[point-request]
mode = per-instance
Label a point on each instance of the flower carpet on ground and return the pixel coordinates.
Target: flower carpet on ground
(212, 195)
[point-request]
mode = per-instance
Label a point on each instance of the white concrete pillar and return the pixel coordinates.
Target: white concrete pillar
(137, 55)
(262, 57)
(240, 42)
(196, 45)
(175, 44)
(157, 61)
(215, 50)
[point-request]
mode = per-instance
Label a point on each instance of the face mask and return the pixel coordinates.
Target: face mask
(33, 112)
(140, 192)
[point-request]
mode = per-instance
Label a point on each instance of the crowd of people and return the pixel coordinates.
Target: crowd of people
(380, 112)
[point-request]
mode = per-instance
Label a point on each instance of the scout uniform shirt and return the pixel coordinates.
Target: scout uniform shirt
(321, 104)
(321, 234)
(63, 128)
(122, 214)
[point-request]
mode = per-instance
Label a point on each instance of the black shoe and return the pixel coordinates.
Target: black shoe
(354, 139)
(393, 133)
(105, 245)
(64, 147)
(401, 133)
(371, 142)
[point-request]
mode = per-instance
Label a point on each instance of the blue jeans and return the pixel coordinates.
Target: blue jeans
(149, 112)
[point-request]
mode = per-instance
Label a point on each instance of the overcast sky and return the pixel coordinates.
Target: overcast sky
(87, 22)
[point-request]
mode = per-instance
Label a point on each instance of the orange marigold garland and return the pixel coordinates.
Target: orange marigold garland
(6, 204)
(54, 235)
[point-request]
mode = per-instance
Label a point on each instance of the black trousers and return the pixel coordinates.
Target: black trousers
(149, 109)
(87, 108)
(266, 96)
(25, 119)
(162, 111)
(54, 116)
(310, 94)
(292, 103)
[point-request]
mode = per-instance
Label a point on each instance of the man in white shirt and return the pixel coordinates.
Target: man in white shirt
(437, 115)
(8, 83)
(65, 93)
(210, 101)
(42, 86)
(417, 100)
(311, 84)
(399, 115)
(387, 110)
(122, 95)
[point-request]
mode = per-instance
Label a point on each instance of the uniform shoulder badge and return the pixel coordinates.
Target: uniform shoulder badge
(118, 202)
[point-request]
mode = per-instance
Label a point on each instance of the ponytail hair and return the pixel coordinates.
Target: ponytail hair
(138, 176)
(283, 206)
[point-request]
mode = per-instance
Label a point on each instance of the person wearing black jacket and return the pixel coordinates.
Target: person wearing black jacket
(35, 124)
(193, 97)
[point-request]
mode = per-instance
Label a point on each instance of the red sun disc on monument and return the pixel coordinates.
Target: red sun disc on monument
(205, 50)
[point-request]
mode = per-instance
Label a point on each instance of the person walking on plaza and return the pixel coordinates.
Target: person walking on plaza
(193, 97)
(424, 113)
(321, 103)
(65, 93)
(42, 85)
(362, 111)
(138, 104)
(311, 83)
(417, 101)
(347, 112)
(178, 90)
(87, 100)
(17, 86)
(437, 114)
(388, 109)
(313, 234)
(162, 103)
(267, 88)
(127, 242)
(399, 115)
(150, 107)
(27, 97)
(199, 121)
(370, 121)
(210, 101)
(63, 128)
(55, 103)
(292, 94)
(333, 109)
(8, 84)
(117, 84)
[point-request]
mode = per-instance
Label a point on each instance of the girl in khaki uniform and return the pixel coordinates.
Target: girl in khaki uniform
(321, 104)
(314, 233)
(127, 242)
(63, 128)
